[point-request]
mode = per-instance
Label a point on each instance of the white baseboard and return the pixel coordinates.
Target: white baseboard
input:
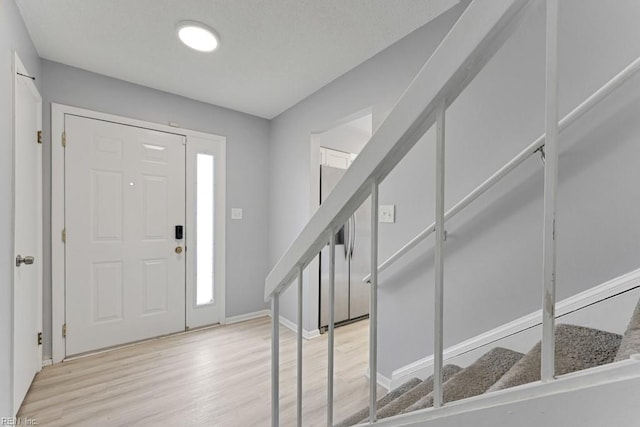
(47, 362)
(307, 335)
(248, 316)
(380, 379)
(424, 367)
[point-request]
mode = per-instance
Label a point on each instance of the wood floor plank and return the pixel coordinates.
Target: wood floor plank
(215, 377)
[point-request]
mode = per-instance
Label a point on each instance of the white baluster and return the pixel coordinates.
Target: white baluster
(550, 189)
(373, 307)
(299, 379)
(275, 360)
(332, 306)
(439, 260)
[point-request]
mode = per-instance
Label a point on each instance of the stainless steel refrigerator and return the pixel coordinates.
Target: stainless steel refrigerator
(352, 261)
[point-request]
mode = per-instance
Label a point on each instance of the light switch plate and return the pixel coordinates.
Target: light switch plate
(236, 213)
(387, 213)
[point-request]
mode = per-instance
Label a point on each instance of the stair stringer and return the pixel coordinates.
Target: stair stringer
(605, 395)
(523, 333)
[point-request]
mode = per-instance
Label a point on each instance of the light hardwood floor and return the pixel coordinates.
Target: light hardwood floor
(214, 377)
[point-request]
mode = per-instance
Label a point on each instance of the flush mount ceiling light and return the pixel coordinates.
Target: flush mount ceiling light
(197, 36)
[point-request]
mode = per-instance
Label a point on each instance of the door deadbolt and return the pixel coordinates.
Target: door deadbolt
(178, 249)
(26, 260)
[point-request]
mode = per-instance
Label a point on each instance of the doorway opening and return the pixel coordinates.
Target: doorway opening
(337, 148)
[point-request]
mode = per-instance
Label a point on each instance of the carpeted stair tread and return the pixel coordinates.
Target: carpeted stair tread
(416, 393)
(631, 339)
(577, 348)
(364, 413)
(474, 379)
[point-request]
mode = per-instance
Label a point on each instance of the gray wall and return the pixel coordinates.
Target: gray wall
(247, 168)
(13, 37)
(494, 250)
(375, 84)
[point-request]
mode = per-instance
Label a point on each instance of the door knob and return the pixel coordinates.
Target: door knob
(26, 260)
(178, 249)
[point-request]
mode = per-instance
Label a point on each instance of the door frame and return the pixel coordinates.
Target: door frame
(58, 309)
(18, 67)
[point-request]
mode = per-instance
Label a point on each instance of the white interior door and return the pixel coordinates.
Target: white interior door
(205, 234)
(125, 266)
(27, 285)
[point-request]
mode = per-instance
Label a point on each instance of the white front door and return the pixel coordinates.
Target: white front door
(27, 284)
(125, 266)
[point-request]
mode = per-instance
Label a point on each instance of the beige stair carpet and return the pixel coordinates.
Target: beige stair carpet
(363, 414)
(474, 379)
(577, 348)
(631, 339)
(416, 393)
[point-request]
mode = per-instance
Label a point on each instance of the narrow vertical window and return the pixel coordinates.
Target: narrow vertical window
(204, 229)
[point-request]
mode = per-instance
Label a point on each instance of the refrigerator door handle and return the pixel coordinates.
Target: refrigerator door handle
(347, 237)
(352, 235)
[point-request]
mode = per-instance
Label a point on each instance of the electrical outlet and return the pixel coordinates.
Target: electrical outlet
(236, 213)
(387, 213)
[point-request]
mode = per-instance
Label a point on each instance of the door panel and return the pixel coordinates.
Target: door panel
(107, 291)
(155, 286)
(124, 193)
(27, 283)
(107, 206)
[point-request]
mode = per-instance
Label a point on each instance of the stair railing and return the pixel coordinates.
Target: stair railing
(536, 146)
(472, 41)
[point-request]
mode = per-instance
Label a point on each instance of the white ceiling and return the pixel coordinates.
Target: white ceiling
(274, 53)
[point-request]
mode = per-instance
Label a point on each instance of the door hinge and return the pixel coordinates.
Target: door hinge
(64, 330)
(64, 235)
(64, 139)
(39, 137)
(39, 338)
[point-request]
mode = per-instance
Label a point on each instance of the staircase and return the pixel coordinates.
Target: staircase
(533, 380)
(576, 348)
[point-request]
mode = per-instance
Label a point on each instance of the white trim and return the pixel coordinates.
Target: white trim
(12, 231)
(307, 335)
(312, 334)
(57, 246)
(47, 362)
(424, 367)
(248, 316)
(594, 377)
(57, 211)
(382, 381)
